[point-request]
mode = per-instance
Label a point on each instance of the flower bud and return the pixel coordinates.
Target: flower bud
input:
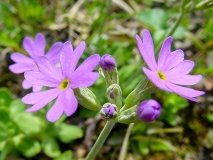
(87, 99)
(114, 95)
(109, 70)
(108, 111)
(148, 110)
(107, 62)
(143, 89)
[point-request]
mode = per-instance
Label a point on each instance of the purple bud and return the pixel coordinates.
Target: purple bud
(109, 111)
(107, 62)
(148, 110)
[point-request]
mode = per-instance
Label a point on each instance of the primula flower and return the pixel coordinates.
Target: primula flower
(171, 70)
(61, 80)
(35, 49)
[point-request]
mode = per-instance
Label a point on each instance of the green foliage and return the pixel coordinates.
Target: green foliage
(172, 103)
(50, 146)
(83, 21)
(62, 131)
(30, 133)
(65, 156)
(27, 146)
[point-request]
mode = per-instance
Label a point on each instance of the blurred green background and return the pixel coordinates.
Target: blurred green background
(184, 129)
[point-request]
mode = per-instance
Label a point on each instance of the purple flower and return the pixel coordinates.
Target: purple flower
(107, 62)
(61, 80)
(35, 49)
(148, 110)
(109, 111)
(171, 70)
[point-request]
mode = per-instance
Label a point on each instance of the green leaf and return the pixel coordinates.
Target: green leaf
(5, 98)
(155, 18)
(28, 123)
(161, 145)
(12, 129)
(4, 115)
(67, 133)
(16, 107)
(27, 146)
(144, 146)
(3, 131)
(65, 156)
(50, 146)
(209, 117)
(2, 145)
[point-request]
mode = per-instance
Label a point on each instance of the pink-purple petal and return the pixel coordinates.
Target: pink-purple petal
(36, 88)
(147, 52)
(37, 78)
(71, 102)
(84, 80)
(28, 45)
(184, 79)
(189, 98)
(37, 97)
(88, 65)
(78, 51)
(26, 84)
(173, 60)
(164, 52)
(155, 79)
(20, 58)
(148, 43)
(40, 99)
(20, 68)
(182, 68)
(184, 91)
(48, 69)
(54, 52)
(67, 58)
(35, 48)
(40, 43)
(57, 109)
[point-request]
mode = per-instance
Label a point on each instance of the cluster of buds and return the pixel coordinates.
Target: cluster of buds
(134, 110)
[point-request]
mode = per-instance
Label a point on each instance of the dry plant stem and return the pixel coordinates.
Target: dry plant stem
(125, 143)
(101, 139)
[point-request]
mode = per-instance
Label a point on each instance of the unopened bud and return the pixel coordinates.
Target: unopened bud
(108, 111)
(108, 69)
(114, 94)
(87, 99)
(148, 110)
(107, 62)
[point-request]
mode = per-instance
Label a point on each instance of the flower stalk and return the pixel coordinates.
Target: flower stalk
(101, 139)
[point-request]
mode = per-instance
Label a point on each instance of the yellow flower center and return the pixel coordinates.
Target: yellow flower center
(64, 84)
(161, 75)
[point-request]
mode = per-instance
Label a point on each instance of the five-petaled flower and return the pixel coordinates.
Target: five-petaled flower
(35, 49)
(171, 70)
(61, 80)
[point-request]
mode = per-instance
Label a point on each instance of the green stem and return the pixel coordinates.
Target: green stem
(101, 139)
(174, 27)
(125, 142)
(172, 30)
